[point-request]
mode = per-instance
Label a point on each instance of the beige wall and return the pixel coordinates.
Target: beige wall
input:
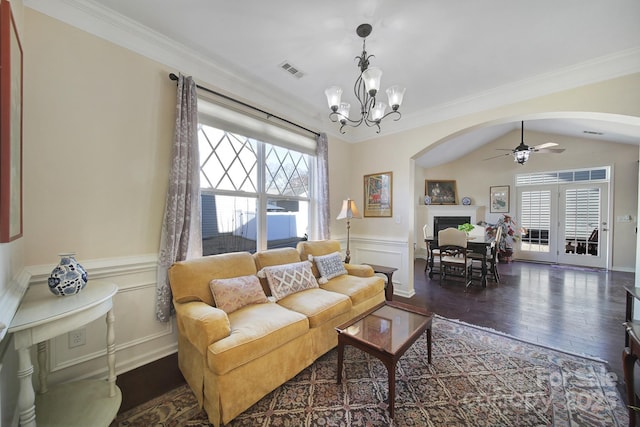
(474, 175)
(98, 128)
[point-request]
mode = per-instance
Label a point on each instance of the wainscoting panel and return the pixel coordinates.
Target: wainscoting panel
(390, 253)
(140, 338)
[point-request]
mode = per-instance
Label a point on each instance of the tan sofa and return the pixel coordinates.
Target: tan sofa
(231, 361)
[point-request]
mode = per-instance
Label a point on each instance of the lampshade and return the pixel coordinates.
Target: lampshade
(343, 110)
(334, 93)
(378, 111)
(395, 94)
(349, 210)
(372, 77)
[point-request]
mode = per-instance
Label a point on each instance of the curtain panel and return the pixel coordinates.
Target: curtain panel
(181, 230)
(322, 186)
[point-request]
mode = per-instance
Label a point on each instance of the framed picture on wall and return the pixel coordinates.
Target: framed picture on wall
(10, 127)
(378, 189)
(499, 199)
(441, 192)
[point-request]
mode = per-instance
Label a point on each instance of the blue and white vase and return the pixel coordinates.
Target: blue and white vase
(68, 278)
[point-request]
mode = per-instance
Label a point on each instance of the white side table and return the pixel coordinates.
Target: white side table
(42, 316)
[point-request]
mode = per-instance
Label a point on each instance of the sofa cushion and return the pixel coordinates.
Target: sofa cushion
(329, 266)
(237, 292)
(318, 305)
(287, 279)
(190, 279)
(359, 289)
(255, 331)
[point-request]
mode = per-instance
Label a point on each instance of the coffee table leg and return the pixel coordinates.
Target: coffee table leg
(429, 345)
(391, 368)
(340, 359)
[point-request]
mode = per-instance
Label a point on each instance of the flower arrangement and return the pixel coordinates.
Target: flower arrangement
(511, 233)
(466, 227)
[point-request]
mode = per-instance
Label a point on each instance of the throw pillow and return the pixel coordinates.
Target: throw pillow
(237, 292)
(287, 279)
(329, 266)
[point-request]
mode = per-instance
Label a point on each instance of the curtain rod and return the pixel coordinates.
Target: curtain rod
(172, 76)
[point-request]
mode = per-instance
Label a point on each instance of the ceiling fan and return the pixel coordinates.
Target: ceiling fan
(521, 152)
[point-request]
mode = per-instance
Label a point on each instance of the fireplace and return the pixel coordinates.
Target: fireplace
(442, 222)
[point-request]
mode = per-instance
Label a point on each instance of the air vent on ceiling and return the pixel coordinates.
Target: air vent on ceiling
(592, 132)
(291, 69)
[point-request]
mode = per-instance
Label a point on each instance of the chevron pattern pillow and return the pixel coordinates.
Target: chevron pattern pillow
(287, 279)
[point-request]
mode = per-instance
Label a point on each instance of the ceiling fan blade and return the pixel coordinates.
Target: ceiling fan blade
(545, 145)
(499, 155)
(504, 149)
(550, 150)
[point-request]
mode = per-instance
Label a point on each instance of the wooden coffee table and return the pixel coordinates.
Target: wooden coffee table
(385, 332)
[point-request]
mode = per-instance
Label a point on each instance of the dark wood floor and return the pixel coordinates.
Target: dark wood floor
(575, 309)
(572, 309)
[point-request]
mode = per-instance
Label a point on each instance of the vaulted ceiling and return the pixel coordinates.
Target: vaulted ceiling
(454, 57)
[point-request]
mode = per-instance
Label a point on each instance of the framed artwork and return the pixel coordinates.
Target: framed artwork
(10, 127)
(499, 199)
(440, 192)
(377, 195)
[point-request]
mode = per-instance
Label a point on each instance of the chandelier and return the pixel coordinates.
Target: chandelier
(367, 85)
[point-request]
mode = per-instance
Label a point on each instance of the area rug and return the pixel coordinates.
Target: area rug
(478, 378)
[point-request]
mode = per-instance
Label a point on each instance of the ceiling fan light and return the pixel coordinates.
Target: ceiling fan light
(395, 94)
(372, 77)
(521, 156)
(378, 111)
(333, 93)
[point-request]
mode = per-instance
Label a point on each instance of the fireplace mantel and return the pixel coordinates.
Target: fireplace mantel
(425, 214)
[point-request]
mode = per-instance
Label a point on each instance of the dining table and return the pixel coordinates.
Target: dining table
(480, 245)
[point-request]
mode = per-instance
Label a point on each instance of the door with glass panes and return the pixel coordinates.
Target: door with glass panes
(565, 223)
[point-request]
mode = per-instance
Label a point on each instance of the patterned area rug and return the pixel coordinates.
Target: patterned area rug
(477, 378)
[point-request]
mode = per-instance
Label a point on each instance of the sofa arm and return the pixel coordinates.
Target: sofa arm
(202, 324)
(359, 270)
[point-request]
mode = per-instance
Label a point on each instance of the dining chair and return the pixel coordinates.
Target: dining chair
(432, 250)
(491, 257)
(454, 259)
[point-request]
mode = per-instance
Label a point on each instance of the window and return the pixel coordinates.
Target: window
(254, 194)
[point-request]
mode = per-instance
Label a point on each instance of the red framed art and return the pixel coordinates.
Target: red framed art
(10, 126)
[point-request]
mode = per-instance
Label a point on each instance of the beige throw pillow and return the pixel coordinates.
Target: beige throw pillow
(237, 292)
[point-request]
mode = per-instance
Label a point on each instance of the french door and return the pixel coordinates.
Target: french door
(565, 223)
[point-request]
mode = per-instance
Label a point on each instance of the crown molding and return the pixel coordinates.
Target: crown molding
(593, 71)
(95, 19)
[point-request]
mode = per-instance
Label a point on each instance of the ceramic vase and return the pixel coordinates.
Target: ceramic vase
(68, 278)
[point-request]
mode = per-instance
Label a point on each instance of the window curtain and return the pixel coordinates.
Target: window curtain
(181, 229)
(322, 186)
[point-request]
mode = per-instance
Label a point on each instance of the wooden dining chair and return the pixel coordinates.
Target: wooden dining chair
(491, 257)
(454, 259)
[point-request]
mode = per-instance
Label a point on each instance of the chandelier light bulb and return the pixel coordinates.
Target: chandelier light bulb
(378, 111)
(372, 77)
(395, 94)
(343, 111)
(334, 93)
